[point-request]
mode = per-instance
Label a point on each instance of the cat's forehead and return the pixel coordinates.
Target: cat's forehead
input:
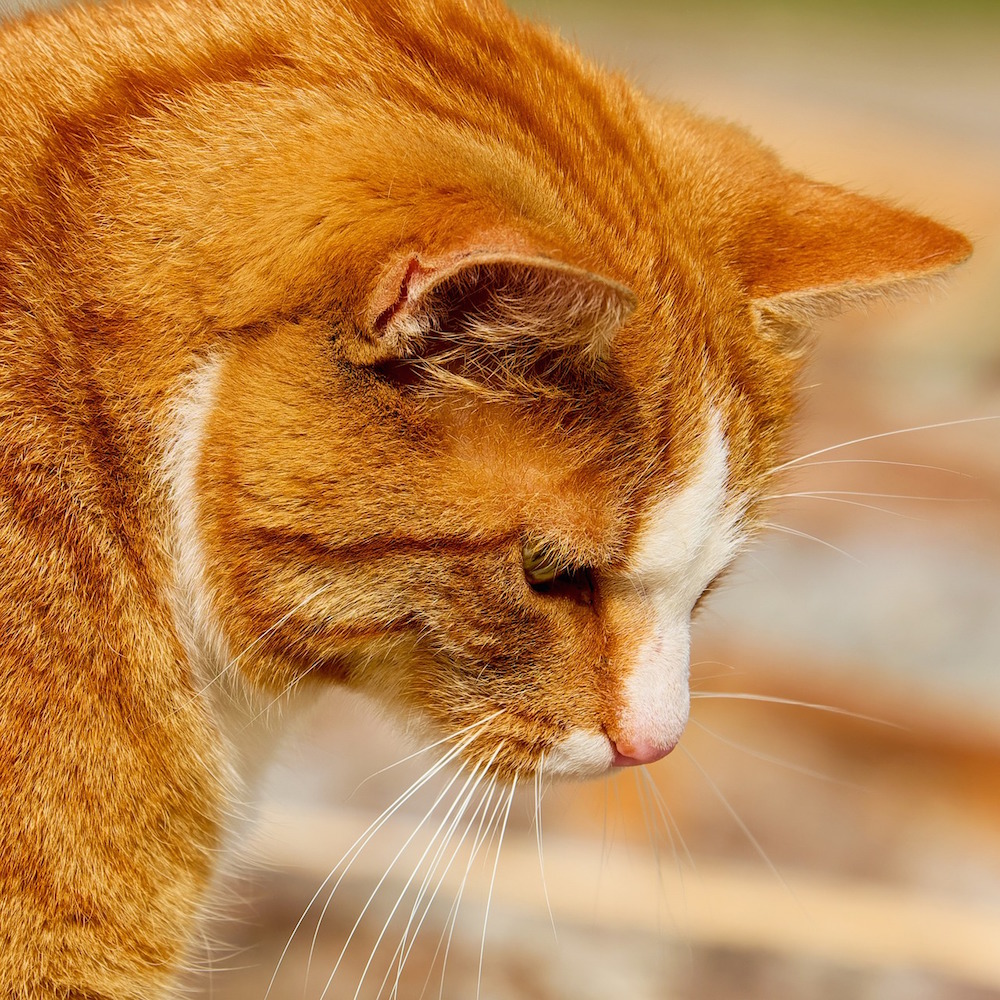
(594, 487)
(560, 481)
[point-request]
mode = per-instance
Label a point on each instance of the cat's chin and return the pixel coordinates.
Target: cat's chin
(579, 755)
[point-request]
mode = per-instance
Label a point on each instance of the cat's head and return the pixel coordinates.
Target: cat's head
(513, 421)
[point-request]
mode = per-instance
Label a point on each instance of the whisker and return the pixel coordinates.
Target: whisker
(650, 831)
(812, 538)
(770, 699)
(842, 496)
(481, 834)
(274, 701)
(669, 822)
(826, 494)
(850, 503)
(878, 437)
(538, 836)
(483, 770)
(457, 807)
(608, 826)
(669, 825)
(737, 818)
(404, 955)
(363, 841)
(604, 823)
(381, 881)
(777, 761)
(882, 461)
(355, 849)
(493, 878)
(423, 750)
(197, 694)
(267, 632)
(730, 671)
(708, 677)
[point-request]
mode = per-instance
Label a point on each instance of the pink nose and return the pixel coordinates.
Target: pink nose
(632, 754)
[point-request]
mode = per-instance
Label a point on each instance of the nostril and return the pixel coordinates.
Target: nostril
(632, 754)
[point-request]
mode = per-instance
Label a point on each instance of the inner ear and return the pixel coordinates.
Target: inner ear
(499, 299)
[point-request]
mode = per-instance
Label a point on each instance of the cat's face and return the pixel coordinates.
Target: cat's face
(491, 534)
(486, 444)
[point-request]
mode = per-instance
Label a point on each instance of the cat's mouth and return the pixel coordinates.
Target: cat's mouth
(581, 754)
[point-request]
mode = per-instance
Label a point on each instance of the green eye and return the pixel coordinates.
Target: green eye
(548, 572)
(541, 563)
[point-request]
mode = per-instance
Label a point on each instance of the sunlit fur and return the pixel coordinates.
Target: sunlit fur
(312, 315)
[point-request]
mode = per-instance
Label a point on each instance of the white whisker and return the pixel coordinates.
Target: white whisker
(193, 698)
(769, 699)
(882, 461)
(456, 808)
(878, 437)
(738, 820)
(651, 833)
(610, 823)
(538, 836)
(431, 870)
(669, 826)
(483, 770)
(281, 694)
(812, 538)
(481, 834)
(828, 494)
(849, 503)
(493, 878)
(363, 841)
(430, 746)
(354, 850)
(267, 632)
(381, 881)
(669, 823)
(769, 759)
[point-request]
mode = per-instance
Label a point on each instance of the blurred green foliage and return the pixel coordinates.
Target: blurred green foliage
(909, 13)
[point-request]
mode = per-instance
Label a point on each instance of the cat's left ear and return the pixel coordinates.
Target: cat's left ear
(826, 250)
(499, 298)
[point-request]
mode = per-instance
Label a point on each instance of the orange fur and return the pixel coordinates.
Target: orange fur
(462, 288)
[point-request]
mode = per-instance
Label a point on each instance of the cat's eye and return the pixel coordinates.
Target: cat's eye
(541, 563)
(548, 573)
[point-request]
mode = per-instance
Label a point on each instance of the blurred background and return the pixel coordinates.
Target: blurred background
(784, 851)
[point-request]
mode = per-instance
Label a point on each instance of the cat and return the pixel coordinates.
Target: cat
(386, 345)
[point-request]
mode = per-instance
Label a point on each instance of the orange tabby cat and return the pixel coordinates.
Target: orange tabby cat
(391, 345)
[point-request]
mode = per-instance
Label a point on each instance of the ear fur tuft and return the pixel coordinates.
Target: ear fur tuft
(503, 300)
(788, 319)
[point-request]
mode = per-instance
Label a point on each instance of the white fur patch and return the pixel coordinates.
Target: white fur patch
(250, 722)
(579, 755)
(687, 538)
(202, 638)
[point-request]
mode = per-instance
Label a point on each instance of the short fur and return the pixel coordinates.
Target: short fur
(312, 317)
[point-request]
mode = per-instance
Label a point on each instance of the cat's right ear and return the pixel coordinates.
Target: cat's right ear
(825, 251)
(497, 298)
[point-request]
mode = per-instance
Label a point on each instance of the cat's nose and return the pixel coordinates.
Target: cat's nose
(632, 753)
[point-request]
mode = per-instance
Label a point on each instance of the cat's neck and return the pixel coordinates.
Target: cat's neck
(250, 722)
